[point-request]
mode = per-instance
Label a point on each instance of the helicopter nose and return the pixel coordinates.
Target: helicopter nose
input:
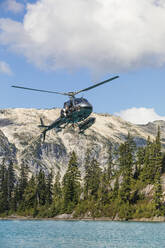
(88, 109)
(86, 105)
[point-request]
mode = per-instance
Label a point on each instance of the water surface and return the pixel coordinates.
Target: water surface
(80, 234)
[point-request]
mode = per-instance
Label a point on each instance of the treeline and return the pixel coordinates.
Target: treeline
(129, 186)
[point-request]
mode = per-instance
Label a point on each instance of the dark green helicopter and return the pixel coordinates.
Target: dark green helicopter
(76, 110)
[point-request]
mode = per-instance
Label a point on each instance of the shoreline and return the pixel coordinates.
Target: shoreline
(68, 218)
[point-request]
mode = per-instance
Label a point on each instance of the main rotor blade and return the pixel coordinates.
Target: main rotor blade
(47, 91)
(95, 85)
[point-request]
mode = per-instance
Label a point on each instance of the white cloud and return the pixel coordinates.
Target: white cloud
(5, 68)
(140, 115)
(102, 35)
(13, 6)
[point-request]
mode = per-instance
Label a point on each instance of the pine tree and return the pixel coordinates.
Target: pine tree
(5, 197)
(116, 188)
(2, 173)
(57, 204)
(158, 194)
(22, 180)
(57, 191)
(4, 204)
(158, 154)
(152, 160)
(41, 188)
(30, 193)
(49, 188)
(127, 154)
(104, 188)
(92, 179)
(126, 163)
(10, 182)
(15, 199)
(139, 162)
(88, 173)
(157, 177)
(146, 174)
(71, 184)
(163, 163)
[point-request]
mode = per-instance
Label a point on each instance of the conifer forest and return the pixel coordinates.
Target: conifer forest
(118, 191)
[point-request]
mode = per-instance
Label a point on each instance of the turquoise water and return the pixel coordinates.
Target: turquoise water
(80, 234)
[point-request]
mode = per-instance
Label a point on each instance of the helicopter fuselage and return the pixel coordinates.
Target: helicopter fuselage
(76, 110)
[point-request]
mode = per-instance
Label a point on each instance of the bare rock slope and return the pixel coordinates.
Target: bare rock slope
(21, 142)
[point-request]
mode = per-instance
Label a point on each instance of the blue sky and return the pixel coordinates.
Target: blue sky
(66, 46)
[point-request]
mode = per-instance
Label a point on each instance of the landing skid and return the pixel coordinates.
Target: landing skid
(59, 129)
(77, 127)
(86, 124)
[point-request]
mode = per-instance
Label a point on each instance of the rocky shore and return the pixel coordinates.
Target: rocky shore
(69, 217)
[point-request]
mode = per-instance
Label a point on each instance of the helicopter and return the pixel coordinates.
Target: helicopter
(75, 110)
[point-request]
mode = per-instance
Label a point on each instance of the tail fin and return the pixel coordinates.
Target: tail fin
(42, 123)
(44, 127)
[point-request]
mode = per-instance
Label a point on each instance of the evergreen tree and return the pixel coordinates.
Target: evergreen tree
(158, 194)
(2, 175)
(163, 163)
(140, 162)
(22, 180)
(88, 174)
(105, 192)
(41, 188)
(152, 160)
(146, 172)
(116, 188)
(11, 181)
(158, 154)
(92, 179)
(126, 163)
(157, 177)
(127, 155)
(4, 204)
(57, 196)
(30, 193)
(57, 191)
(15, 199)
(49, 188)
(71, 184)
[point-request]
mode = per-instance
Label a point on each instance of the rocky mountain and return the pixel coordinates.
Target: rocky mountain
(21, 141)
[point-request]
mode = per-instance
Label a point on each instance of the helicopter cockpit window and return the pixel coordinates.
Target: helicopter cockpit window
(85, 100)
(67, 104)
(77, 100)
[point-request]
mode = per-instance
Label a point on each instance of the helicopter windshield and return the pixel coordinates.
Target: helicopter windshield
(84, 100)
(77, 101)
(67, 104)
(80, 100)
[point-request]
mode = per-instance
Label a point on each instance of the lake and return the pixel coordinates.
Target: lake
(81, 234)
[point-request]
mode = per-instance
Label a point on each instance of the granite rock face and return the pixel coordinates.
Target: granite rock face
(21, 141)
